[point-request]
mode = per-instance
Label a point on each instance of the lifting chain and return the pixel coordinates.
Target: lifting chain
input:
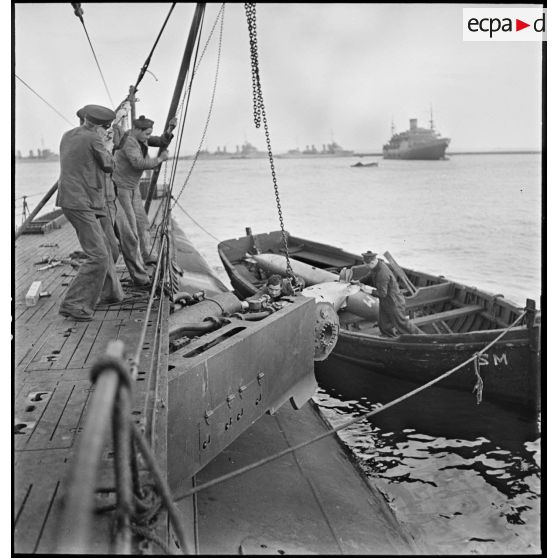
(260, 116)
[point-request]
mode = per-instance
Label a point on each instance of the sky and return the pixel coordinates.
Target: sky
(341, 72)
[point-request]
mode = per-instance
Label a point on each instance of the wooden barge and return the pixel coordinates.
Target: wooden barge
(457, 321)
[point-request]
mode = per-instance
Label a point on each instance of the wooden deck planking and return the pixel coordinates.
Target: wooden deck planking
(53, 356)
(26, 339)
(49, 352)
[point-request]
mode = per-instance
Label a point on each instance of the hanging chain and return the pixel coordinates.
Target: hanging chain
(260, 116)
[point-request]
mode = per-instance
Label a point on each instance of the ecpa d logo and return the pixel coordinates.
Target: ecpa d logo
(504, 24)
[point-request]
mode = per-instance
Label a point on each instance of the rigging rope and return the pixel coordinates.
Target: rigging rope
(78, 11)
(221, 17)
(188, 215)
(260, 116)
(45, 101)
(163, 226)
(158, 269)
(148, 59)
(345, 425)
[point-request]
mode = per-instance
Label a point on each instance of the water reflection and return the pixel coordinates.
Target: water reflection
(462, 477)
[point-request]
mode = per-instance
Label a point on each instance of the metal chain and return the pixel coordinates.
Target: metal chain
(260, 116)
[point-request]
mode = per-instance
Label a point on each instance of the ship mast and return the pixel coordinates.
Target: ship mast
(431, 119)
(184, 68)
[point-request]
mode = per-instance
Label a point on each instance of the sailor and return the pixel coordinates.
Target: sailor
(277, 286)
(392, 319)
(131, 159)
(84, 164)
(116, 226)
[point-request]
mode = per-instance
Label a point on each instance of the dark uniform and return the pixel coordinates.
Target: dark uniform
(392, 319)
(84, 164)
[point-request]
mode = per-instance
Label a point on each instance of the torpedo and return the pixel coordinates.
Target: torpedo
(328, 286)
(274, 263)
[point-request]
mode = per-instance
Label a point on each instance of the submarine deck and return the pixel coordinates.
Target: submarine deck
(312, 501)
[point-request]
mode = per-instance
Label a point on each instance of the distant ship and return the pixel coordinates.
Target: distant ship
(332, 149)
(248, 151)
(416, 143)
(41, 156)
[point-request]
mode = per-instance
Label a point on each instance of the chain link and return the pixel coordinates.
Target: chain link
(260, 116)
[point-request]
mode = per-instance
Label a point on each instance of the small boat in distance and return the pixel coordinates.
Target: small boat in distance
(416, 143)
(457, 321)
(359, 165)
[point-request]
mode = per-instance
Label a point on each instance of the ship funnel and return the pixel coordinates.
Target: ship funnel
(413, 123)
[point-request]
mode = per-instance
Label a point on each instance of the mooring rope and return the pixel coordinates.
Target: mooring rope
(345, 425)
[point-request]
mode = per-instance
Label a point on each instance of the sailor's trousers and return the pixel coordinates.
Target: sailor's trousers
(96, 277)
(134, 211)
(129, 245)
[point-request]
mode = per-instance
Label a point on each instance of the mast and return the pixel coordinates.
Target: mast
(184, 68)
(431, 119)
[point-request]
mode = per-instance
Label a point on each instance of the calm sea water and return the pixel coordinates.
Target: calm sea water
(463, 478)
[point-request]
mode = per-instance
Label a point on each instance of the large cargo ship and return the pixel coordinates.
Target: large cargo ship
(416, 143)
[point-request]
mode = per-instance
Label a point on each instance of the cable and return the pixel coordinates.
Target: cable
(79, 14)
(221, 17)
(148, 59)
(56, 111)
(188, 215)
(292, 449)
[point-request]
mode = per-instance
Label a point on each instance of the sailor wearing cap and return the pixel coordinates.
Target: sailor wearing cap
(131, 159)
(116, 226)
(84, 162)
(392, 319)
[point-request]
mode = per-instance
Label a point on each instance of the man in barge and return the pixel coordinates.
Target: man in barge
(84, 164)
(392, 319)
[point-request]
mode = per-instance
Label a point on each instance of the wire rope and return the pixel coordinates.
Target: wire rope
(79, 14)
(345, 425)
(44, 100)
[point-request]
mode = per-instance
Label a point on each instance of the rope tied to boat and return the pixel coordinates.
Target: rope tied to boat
(480, 384)
(259, 117)
(350, 422)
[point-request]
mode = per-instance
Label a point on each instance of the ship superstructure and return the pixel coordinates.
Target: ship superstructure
(416, 143)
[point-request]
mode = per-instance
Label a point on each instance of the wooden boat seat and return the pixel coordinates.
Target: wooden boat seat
(432, 294)
(447, 315)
